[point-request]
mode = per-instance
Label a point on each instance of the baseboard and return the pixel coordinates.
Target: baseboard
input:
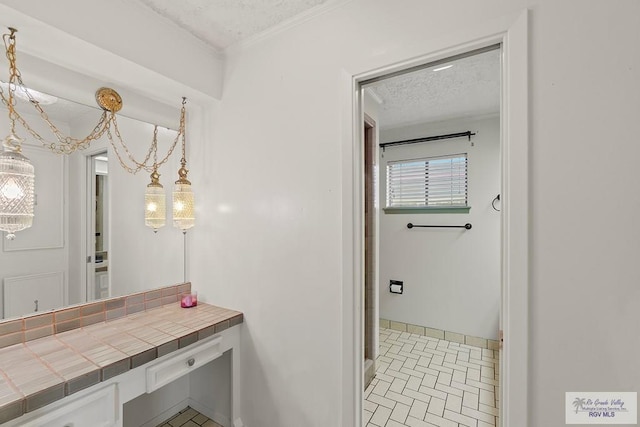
(440, 334)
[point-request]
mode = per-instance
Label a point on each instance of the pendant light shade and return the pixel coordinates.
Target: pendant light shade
(155, 210)
(183, 203)
(16, 188)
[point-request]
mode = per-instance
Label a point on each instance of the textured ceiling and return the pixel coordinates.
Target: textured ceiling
(221, 23)
(470, 87)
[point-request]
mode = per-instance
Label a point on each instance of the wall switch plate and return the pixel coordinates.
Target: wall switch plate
(396, 286)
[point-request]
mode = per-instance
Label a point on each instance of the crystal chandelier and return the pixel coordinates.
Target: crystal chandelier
(17, 172)
(16, 187)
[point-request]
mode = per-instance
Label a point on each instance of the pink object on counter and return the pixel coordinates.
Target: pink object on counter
(189, 300)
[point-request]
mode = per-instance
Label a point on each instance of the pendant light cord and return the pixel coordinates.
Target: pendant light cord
(184, 257)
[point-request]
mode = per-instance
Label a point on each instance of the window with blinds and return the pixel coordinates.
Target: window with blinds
(430, 182)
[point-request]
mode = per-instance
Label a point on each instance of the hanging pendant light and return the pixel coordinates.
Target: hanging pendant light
(155, 206)
(16, 188)
(183, 201)
(155, 211)
(16, 171)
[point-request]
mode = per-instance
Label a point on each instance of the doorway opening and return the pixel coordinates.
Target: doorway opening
(98, 227)
(437, 264)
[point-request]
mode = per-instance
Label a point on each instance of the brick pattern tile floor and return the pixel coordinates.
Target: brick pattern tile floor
(189, 417)
(427, 382)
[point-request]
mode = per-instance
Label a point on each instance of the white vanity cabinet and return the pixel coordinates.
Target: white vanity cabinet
(96, 409)
(102, 405)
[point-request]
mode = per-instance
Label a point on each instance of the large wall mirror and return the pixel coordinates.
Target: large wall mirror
(88, 239)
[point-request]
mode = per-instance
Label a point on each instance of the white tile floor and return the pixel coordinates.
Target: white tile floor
(426, 382)
(189, 417)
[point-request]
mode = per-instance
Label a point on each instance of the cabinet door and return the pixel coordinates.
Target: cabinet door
(95, 409)
(33, 293)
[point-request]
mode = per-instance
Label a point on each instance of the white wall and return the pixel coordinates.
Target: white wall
(276, 249)
(277, 256)
(451, 276)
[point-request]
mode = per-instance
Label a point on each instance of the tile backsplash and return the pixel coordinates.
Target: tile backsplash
(40, 325)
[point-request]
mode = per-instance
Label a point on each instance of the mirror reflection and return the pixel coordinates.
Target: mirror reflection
(100, 181)
(88, 239)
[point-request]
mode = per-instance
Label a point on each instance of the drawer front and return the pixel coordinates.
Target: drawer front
(96, 409)
(174, 367)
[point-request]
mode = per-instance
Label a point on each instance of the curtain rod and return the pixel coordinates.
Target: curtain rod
(468, 134)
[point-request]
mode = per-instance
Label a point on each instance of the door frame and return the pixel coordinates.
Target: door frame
(370, 125)
(512, 34)
(85, 171)
(90, 231)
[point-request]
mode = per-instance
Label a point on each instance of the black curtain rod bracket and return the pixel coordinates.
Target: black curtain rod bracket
(468, 134)
(467, 226)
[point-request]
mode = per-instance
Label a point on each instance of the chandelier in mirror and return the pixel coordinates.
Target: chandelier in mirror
(17, 175)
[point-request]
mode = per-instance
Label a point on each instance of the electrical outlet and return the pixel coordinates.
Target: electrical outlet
(396, 286)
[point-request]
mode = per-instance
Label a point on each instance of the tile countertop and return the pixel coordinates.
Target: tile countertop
(36, 373)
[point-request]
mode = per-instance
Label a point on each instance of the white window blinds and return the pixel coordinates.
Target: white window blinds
(431, 182)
